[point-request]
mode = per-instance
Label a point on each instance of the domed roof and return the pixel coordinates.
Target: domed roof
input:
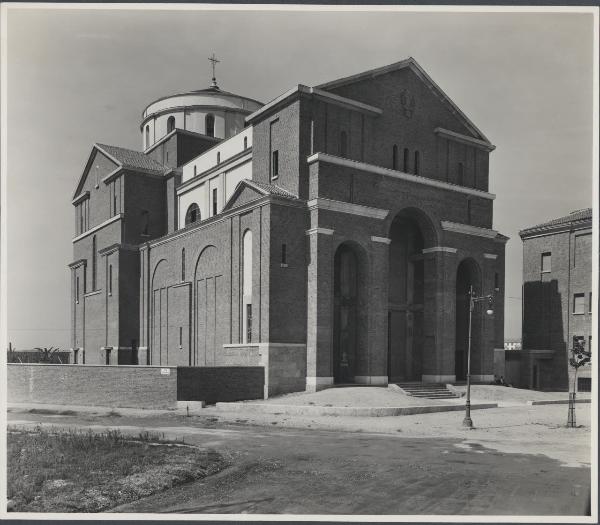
(200, 97)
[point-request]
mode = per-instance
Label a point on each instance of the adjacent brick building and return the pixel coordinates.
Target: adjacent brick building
(330, 236)
(557, 300)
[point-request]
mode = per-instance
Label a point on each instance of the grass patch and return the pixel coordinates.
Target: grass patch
(74, 471)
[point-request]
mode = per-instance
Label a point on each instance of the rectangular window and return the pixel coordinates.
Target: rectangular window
(107, 356)
(275, 164)
(180, 336)
(590, 306)
(214, 195)
(546, 262)
(579, 303)
(145, 221)
(248, 323)
(110, 279)
(284, 255)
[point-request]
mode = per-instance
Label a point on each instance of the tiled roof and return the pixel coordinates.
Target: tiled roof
(573, 218)
(273, 189)
(134, 160)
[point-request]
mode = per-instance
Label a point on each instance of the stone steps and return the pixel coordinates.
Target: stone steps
(427, 390)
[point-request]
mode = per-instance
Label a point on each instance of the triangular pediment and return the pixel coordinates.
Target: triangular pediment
(98, 161)
(335, 86)
(244, 193)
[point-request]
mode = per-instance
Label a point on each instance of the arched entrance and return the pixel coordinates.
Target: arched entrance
(349, 315)
(467, 275)
(406, 301)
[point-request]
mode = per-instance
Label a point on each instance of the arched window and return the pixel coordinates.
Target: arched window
(343, 144)
(417, 162)
(170, 124)
(245, 142)
(192, 214)
(147, 137)
(460, 177)
(247, 286)
(94, 263)
(210, 125)
(183, 264)
(395, 157)
(405, 162)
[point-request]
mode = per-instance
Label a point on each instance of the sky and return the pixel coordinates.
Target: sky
(75, 77)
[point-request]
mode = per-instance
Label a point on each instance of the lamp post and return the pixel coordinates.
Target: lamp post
(467, 421)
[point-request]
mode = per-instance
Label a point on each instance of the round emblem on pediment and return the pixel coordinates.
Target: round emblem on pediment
(407, 101)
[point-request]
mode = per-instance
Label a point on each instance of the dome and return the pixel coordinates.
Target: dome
(209, 111)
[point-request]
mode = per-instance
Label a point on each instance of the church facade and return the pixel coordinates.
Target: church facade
(330, 235)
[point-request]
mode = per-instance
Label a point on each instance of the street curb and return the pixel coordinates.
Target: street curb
(557, 402)
(303, 410)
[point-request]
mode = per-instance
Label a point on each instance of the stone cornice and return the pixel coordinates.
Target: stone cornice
(77, 263)
(465, 139)
(323, 231)
(83, 196)
(363, 166)
(347, 207)
(468, 229)
(383, 240)
(99, 227)
(444, 249)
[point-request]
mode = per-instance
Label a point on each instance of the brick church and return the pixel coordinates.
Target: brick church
(330, 236)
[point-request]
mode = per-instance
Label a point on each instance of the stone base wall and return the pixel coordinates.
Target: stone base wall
(93, 385)
(284, 364)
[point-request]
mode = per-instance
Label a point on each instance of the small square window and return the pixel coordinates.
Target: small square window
(579, 303)
(546, 262)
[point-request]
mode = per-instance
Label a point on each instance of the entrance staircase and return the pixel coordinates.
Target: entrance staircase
(427, 390)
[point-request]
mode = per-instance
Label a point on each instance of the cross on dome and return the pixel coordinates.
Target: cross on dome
(214, 61)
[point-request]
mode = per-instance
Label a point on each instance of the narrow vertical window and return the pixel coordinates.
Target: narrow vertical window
(170, 124)
(77, 290)
(497, 281)
(284, 254)
(579, 303)
(210, 125)
(460, 177)
(94, 261)
(343, 144)
(248, 323)
(405, 161)
(183, 264)
(115, 207)
(147, 137)
(351, 191)
(218, 157)
(80, 211)
(247, 287)
(145, 222)
(469, 212)
(275, 164)
(417, 162)
(180, 336)
(107, 356)
(214, 199)
(195, 170)
(110, 279)
(245, 142)
(590, 306)
(395, 157)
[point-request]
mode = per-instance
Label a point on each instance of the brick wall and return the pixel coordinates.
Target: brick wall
(213, 384)
(123, 386)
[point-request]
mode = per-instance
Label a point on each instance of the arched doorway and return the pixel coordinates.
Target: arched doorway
(406, 299)
(349, 317)
(467, 275)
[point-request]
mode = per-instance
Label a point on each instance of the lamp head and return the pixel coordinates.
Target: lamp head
(490, 308)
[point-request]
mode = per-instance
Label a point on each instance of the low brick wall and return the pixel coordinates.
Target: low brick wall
(93, 385)
(216, 383)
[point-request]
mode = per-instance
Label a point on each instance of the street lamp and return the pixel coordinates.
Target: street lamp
(467, 421)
